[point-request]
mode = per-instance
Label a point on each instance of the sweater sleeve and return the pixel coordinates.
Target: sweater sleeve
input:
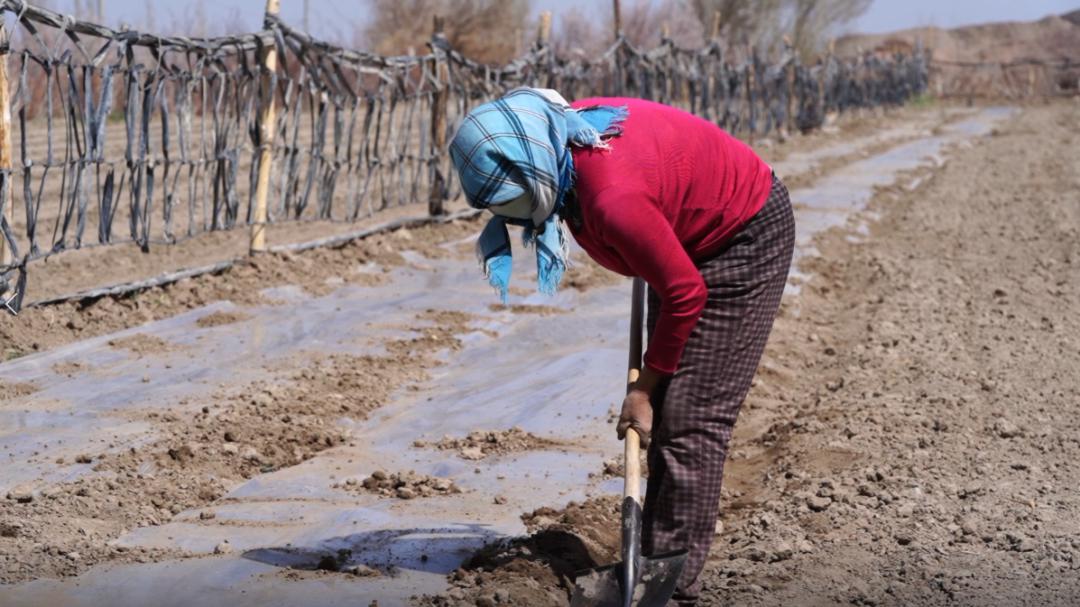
(644, 239)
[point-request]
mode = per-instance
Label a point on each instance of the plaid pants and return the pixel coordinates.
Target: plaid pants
(695, 411)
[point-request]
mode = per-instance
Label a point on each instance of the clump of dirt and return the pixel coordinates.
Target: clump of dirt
(614, 468)
(68, 368)
(452, 319)
(538, 569)
(11, 391)
(141, 343)
(402, 485)
(219, 318)
(439, 331)
(482, 443)
(584, 274)
(201, 454)
(540, 310)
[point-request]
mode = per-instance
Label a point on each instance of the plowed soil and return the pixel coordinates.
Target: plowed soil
(912, 434)
(910, 439)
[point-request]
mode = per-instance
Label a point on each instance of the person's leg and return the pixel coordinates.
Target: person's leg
(696, 413)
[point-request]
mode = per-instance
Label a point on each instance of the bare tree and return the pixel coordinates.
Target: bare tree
(743, 22)
(814, 21)
(192, 21)
(149, 23)
(578, 35)
(232, 23)
(643, 23)
(764, 23)
(490, 31)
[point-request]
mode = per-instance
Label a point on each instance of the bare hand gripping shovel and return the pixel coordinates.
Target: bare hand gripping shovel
(637, 580)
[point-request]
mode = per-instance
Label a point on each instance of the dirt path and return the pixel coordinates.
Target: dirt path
(912, 435)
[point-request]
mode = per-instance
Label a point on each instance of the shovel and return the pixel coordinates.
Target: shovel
(637, 580)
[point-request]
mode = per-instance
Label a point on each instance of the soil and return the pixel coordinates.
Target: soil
(482, 443)
(540, 310)
(583, 274)
(402, 485)
(202, 450)
(10, 391)
(219, 318)
(911, 434)
(539, 569)
(910, 437)
(614, 468)
(69, 368)
(141, 343)
(318, 271)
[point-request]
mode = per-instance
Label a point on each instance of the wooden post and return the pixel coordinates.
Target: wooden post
(543, 33)
(751, 81)
(822, 93)
(6, 255)
(100, 12)
(437, 193)
(665, 31)
(789, 82)
(266, 139)
(716, 22)
(618, 19)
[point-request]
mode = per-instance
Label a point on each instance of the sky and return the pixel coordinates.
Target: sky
(334, 18)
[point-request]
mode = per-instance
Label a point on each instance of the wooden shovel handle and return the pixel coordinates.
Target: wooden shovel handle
(637, 322)
(632, 465)
(631, 455)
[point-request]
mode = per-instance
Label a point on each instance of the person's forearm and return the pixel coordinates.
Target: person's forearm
(647, 380)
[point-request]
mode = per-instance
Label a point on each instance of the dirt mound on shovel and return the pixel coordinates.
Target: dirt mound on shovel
(539, 569)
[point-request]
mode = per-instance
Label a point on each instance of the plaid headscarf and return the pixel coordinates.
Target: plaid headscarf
(520, 144)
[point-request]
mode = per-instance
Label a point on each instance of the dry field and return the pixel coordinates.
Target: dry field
(909, 440)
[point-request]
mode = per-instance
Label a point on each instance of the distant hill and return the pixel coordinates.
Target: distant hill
(1054, 38)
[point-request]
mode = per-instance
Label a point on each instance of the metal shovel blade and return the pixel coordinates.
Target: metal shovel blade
(603, 587)
(639, 581)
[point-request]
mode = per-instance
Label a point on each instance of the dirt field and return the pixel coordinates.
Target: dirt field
(908, 440)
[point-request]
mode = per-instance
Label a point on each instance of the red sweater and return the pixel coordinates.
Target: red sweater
(672, 190)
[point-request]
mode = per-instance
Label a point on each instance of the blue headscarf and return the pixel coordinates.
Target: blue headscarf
(520, 144)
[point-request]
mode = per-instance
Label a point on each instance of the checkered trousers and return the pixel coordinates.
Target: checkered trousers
(694, 413)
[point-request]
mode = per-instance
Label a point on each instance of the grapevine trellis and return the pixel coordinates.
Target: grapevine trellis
(127, 137)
